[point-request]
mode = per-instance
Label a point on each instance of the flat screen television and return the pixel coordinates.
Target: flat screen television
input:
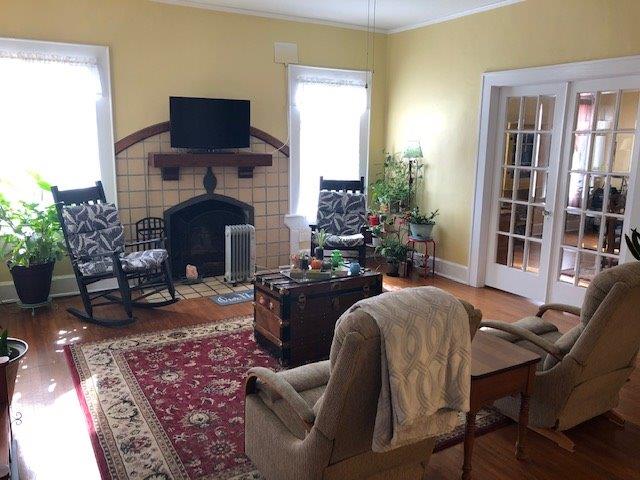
(209, 123)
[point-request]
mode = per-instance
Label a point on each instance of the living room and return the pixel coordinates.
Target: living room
(239, 225)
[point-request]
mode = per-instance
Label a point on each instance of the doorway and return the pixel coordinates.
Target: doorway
(555, 185)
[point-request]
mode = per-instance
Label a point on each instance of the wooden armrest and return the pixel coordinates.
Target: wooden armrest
(260, 377)
(560, 307)
(525, 334)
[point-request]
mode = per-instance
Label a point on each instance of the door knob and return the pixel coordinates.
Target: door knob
(546, 213)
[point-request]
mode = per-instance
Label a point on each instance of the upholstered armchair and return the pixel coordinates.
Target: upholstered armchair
(584, 369)
(342, 214)
(316, 421)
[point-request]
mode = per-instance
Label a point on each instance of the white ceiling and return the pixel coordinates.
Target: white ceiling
(391, 15)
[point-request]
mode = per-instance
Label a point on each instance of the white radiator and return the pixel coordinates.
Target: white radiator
(239, 253)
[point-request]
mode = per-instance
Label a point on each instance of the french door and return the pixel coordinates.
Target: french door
(528, 143)
(598, 195)
(565, 185)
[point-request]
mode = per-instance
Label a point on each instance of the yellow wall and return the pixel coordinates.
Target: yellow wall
(426, 84)
(434, 86)
(159, 50)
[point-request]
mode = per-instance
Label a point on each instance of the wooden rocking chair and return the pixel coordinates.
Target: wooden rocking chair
(95, 241)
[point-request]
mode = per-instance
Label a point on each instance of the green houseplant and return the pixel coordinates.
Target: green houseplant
(633, 243)
(321, 240)
(31, 241)
(420, 224)
(394, 251)
(376, 235)
(393, 190)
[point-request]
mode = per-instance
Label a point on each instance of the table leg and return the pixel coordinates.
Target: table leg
(433, 261)
(523, 422)
(469, 437)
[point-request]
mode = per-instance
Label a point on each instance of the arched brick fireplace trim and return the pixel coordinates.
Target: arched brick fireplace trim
(162, 127)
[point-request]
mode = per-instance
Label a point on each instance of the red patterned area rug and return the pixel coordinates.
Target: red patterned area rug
(170, 404)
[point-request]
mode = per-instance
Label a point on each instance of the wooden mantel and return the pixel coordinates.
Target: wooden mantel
(170, 163)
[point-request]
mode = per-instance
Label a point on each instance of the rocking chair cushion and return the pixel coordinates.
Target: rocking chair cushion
(341, 213)
(341, 241)
(93, 228)
(142, 261)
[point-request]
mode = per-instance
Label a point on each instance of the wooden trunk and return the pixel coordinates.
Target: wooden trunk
(295, 321)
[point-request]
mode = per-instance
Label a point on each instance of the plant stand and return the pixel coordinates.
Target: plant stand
(427, 241)
(34, 306)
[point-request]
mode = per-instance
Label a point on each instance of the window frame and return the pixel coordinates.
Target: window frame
(293, 73)
(104, 110)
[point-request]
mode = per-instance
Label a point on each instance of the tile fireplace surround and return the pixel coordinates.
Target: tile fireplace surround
(143, 193)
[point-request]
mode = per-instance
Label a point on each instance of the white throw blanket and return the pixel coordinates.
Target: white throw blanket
(425, 364)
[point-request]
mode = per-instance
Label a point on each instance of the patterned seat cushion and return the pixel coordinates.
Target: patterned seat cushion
(337, 241)
(93, 229)
(341, 213)
(143, 261)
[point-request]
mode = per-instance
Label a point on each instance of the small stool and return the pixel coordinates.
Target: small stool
(412, 241)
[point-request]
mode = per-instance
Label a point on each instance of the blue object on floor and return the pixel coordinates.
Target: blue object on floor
(233, 297)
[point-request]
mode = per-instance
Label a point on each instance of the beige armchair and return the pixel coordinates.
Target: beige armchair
(584, 369)
(316, 421)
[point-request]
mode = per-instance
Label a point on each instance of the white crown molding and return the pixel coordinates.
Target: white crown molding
(464, 13)
(293, 18)
(257, 13)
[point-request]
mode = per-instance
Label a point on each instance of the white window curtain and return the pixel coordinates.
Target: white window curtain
(48, 122)
(330, 133)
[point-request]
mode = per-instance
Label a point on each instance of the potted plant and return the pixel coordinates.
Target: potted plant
(380, 195)
(374, 219)
(31, 241)
(321, 240)
(394, 251)
(633, 243)
(376, 234)
(11, 350)
(421, 225)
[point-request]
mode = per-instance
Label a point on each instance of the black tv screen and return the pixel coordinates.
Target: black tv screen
(209, 123)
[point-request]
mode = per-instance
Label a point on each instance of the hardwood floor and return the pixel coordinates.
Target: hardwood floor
(54, 442)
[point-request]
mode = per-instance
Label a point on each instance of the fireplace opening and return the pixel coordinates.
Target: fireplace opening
(195, 230)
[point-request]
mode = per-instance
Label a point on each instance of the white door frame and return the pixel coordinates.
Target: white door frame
(488, 116)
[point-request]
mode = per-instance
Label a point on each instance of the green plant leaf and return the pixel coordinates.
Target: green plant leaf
(635, 251)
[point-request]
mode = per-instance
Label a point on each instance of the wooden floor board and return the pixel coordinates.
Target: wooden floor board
(54, 442)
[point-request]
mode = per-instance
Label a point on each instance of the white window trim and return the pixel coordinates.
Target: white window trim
(294, 72)
(104, 111)
(489, 105)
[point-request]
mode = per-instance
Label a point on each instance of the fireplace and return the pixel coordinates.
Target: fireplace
(195, 230)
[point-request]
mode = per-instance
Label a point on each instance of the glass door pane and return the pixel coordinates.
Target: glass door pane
(525, 167)
(603, 138)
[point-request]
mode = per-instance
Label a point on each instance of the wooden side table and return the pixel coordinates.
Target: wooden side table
(427, 241)
(498, 369)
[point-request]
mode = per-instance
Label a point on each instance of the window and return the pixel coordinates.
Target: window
(329, 111)
(55, 118)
